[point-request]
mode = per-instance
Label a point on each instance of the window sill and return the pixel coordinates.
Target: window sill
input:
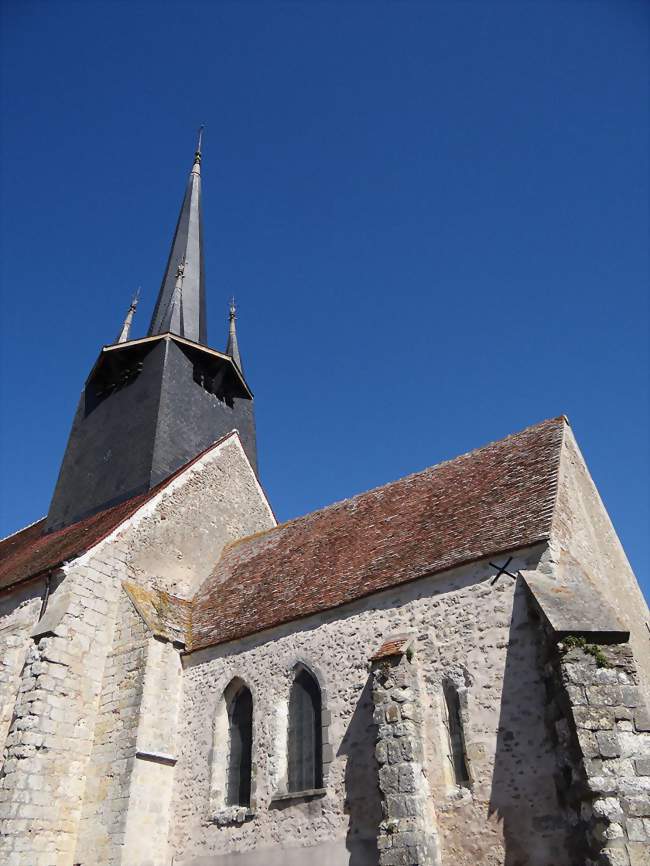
(233, 815)
(308, 794)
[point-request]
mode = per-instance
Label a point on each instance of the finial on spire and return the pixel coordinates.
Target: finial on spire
(232, 347)
(197, 153)
(128, 321)
(177, 312)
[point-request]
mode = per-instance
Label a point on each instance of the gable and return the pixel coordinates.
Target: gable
(182, 523)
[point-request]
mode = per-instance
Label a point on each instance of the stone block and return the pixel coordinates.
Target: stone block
(403, 806)
(642, 719)
(381, 752)
(608, 695)
(608, 744)
(392, 713)
(630, 696)
(389, 780)
(636, 830)
(642, 766)
(408, 778)
(608, 808)
(594, 718)
(639, 853)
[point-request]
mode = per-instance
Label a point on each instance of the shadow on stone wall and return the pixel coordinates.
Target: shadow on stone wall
(523, 794)
(362, 796)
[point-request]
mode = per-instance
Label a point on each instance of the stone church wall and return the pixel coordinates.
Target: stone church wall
(583, 532)
(50, 746)
(465, 629)
(19, 610)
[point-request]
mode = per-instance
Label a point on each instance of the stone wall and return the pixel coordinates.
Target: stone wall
(103, 824)
(603, 730)
(408, 831)
(465, 628)
(19, 611)
(174, 539)
(582, 532)
(52, 730)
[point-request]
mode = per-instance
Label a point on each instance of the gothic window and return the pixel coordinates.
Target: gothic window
(305, 747)
(240, 740)
(456, 739)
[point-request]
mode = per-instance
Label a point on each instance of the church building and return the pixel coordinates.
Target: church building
(449, 670)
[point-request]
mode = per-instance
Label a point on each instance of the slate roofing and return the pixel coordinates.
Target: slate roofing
(498, 498)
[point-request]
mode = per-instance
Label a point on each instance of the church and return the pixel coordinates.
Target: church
(449, 670)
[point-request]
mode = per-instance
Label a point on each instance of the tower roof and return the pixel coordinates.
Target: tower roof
(180, 308)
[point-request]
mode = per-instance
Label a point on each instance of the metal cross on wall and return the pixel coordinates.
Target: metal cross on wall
(502, 569)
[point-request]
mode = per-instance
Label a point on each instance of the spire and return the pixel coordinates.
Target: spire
(232, 347)
(181, 309)
(123, 336)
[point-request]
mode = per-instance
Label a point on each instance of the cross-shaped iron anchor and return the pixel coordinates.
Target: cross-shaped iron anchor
(502, 569)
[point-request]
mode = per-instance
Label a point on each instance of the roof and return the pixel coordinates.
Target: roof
(31, 552)
(497, 498)
(500, 497)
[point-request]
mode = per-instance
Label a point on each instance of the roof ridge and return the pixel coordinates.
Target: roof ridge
(23, 528)
(547, 421)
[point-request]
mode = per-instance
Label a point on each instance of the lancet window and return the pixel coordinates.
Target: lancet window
(240, 741)
(305, 747)
(455, 735)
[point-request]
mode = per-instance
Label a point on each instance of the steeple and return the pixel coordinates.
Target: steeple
(151, 405)
(123, 336)
(232, 348)
(180, 308)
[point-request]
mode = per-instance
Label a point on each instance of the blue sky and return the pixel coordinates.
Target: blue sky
(434, 217)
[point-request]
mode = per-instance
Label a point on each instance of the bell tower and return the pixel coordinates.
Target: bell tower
(150, 405)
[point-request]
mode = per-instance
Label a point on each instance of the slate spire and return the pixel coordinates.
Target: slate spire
(232, 347)
(180, 309)
(123, 336)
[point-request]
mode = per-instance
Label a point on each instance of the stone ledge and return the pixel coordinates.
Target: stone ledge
(299, 795)
(156, 757)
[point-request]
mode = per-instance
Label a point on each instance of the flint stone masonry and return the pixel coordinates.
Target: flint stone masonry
(50, 747)
(463, 627)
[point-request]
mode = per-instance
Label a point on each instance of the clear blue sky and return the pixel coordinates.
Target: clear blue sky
(434, 217)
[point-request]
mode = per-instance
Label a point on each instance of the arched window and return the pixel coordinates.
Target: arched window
(305, 746)
(455, 735)
(240, 742)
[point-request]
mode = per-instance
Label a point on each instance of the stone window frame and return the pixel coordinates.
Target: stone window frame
(279, 780)
(459, 682)
(220, 812)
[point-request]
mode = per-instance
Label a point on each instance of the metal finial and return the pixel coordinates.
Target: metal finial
(123, 336)
(197, 154)
(233, 308)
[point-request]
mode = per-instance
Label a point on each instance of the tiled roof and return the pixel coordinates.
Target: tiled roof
(497, 498)
(393, 646)
(31, 552)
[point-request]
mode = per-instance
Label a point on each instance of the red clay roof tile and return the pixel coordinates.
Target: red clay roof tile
(500, 497)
